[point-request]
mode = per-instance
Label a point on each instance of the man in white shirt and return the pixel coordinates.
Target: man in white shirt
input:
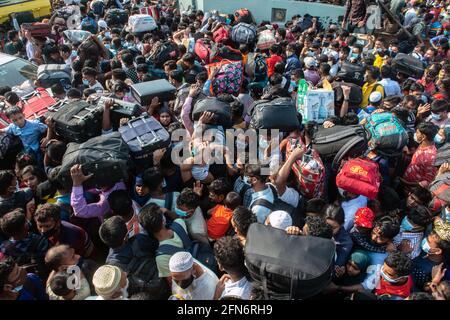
(89, 79)
(350, 204)
(391, 87)
(261, 191)
(190, 279)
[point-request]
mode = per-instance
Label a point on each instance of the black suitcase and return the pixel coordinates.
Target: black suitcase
(144, 92)
(279, 113)
(78, 121)
(339, 140)
(352, 72)
(107, 157)
(408, 65)
(302, 273)
(221, 110)
(355, 98)
(144, 135)
(120, 109)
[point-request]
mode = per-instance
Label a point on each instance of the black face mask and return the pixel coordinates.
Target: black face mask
(183, 284)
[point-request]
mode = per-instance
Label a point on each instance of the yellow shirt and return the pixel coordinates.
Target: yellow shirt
(378, 61)
(367, 89)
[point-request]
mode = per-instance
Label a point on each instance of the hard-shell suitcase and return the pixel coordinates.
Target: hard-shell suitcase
(106, 157)
(120, 109)
(303, 273)
(144, 92)
(279, 113)
(144, 135)
(36, 104)
(408, 65)
(78, 121)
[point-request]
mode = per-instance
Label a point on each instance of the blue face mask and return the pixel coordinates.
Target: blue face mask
(354, 56)
(86, 82)
(435, 116)
(425, 246)
(180, 212)
(389, 279)
(406, 225)
(17, 289)
(438, 139)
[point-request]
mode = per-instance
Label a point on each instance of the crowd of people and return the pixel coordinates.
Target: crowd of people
(183, 231)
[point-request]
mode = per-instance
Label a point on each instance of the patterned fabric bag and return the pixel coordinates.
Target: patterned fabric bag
(228, 78)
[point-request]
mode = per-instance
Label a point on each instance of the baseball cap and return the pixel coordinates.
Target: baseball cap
(280, 219)
(181, 262)
(375, 97)
(106, 280)
(364, 217)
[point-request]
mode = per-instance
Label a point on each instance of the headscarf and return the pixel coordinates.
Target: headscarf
(361, 260)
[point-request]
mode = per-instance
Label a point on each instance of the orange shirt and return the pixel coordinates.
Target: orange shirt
(219, 222)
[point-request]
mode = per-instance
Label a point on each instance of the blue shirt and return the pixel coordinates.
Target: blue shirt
(30, 133)
(33, 289)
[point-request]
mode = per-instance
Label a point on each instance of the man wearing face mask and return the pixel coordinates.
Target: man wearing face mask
(89, 79)
(395, 277)
(16, 284)
(49, 224)
(292, 61)
(435, 251)
(190, 279)
(110, 283)
(351, 203)
(439, 117)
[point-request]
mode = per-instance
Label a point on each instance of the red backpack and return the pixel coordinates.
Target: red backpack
(221, 35)
(360, 176)
(203, 50)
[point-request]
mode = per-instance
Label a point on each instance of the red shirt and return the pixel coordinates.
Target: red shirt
(219, 222)
(430, 88)
(422, 169)
(403, 290)
(271, 62)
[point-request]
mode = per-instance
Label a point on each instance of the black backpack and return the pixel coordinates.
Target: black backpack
(352, 72)
(199, 250)
(143, 274)
(164, 52)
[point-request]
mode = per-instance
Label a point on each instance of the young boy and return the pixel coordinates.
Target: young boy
(29, 131)
(221, 215)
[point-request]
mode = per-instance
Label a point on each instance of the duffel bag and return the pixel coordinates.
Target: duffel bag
(144, 135)
(408, 65)
(355, 97)
(360, 176)
(224, 53)
(163, 52)
(78, 121)
(76, 36)
(221, 35)
(228, 78)
(116, 17)
(221, 110)
(309, 171)
(443, 155)
(339, 142)
(265, 40)
(352, 72)
(36, 104)
(38, 29)
(244, 33)
(141, 23)
(279, 113)
(203, 49)
(50, 74)
(106, 157)
(386, 134)
(303, 273)
(256, 67)
(144, 92)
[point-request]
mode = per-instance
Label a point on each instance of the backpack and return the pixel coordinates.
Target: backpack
(203, 50)
(278, 204)
(162, 53)
(386, 134)
(244, 15)
(116, 17)
(89, 24)
(143, 274)
(256, 68)
(229, 77)
(98, 7)
(244, 33)
(199, 250)
(221, 35)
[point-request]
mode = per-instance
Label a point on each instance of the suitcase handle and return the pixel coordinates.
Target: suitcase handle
(141, 143)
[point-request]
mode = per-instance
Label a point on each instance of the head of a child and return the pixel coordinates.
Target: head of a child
(152, 181)
(113, 232)
(232, 200)
(32, 176)
(187, 202)
(218, 190)
(241, 221)
(357, 264)
(396, 268)
(16, 116)
(364, 220)
(8, 183)
(335, 218)
(58, 285)
(316, 207)
(23, 160)
(230, 256)
(384, 230)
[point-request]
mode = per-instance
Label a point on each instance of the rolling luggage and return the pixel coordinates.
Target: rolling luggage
(221, 110)
(144, 92)
(279, 113)
(38, 29)
(107, 157)
(244, 33)
(143, 136)
(35, 105)
(408, 65)
(303, 273)
(78, 121)
(352, 72)
(50, 74)
(338, 142)
(120, 109)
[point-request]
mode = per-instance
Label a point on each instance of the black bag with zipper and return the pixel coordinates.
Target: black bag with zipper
(303, 273)
(78, 121)
(107, 157)
(221, 110)
(279, 113)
